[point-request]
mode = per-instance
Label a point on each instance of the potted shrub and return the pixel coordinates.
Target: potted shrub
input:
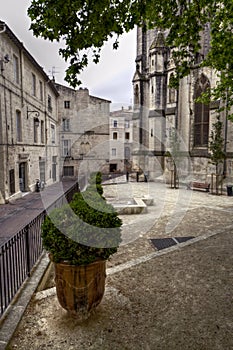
(80, 237)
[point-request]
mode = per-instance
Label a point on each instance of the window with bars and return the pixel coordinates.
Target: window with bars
(201, 114)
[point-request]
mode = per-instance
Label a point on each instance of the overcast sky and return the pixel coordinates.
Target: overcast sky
(111, 79)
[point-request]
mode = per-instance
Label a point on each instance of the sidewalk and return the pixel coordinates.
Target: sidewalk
(174, 299)
(15, 215)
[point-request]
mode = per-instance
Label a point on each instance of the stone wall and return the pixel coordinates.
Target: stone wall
(25, 90)
(160, 111)
(84, 127)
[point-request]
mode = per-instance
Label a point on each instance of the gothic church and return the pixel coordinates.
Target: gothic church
(161, 112)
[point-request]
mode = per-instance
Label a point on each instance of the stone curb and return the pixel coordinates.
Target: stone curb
(15, 311)
(17, 308)
(134, 262)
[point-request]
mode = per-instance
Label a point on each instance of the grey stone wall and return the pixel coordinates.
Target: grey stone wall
(87, 134)
(178, 113)
(19, 95)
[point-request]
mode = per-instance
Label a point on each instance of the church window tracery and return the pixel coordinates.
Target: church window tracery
(201, 113)
(171, 91)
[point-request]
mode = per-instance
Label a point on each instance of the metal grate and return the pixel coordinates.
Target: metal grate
(183, 239)
(163, 243)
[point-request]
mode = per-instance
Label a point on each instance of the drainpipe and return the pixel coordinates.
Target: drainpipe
(4, 87)
(5, 112)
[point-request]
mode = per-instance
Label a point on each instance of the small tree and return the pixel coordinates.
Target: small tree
(175, 155)
(216, 147)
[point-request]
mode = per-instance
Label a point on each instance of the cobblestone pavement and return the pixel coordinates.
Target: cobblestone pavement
(174, 299)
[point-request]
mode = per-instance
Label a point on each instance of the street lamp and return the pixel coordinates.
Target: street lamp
(36, 113)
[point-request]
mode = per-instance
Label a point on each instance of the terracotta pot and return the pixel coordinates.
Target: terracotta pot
(80, 288)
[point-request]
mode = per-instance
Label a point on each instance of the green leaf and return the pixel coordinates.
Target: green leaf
(85, 26)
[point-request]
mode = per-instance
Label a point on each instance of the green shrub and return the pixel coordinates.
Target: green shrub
(95, 178)
(95, 182)
(83, 231)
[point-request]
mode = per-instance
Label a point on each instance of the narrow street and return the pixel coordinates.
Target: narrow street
(15, 215)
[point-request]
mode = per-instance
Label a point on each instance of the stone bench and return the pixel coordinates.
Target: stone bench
(196, 185)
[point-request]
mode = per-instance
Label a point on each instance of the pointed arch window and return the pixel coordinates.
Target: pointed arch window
(201, 114)
(171, 90)
(136, 95)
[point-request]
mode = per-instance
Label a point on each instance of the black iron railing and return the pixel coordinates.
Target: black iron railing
(20, 253)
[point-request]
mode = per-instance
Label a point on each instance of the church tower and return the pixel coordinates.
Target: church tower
(149, 84)
(161, 112)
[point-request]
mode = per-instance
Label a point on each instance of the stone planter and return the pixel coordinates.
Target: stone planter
(80, 288)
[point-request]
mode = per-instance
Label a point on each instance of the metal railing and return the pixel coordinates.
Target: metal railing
(20, 253)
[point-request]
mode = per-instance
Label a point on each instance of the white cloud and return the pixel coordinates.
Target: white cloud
(110, 79)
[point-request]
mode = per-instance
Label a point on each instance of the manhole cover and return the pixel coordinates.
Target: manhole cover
(163, 243)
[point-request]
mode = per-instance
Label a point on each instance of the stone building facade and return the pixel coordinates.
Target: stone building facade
(121, 140)
(28, 120)
(47, 131)
(162, 114)
(83, 132)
